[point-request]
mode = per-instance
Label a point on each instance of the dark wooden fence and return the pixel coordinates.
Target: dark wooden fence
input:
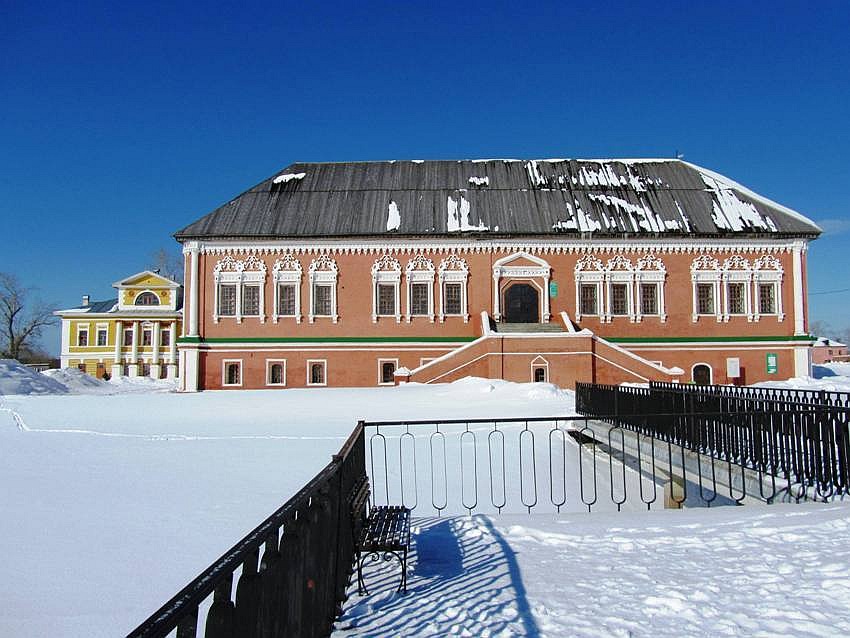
(801, 437)
(297, 586)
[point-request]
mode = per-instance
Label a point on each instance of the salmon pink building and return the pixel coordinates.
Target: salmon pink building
(374, 273)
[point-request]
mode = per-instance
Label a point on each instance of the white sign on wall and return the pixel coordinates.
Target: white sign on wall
(733, 367)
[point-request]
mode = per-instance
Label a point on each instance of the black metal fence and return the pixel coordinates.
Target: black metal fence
(297, 586)
(811, 398)
(800, 438)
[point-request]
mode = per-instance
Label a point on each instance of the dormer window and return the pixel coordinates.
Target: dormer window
(147, 299)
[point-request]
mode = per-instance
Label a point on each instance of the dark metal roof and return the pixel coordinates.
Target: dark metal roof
(111, 305)
(497, 197)
(96, 306)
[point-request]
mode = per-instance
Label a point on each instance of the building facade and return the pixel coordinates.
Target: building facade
(364, 274)
(826, 350)
(134, 334)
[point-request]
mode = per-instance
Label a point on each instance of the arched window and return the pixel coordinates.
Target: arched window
(147, 299)
(276, 372)
(317, 372)
(701, 374)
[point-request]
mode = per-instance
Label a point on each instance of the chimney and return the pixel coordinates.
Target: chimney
(85, 300)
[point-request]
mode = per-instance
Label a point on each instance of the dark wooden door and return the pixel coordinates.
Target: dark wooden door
(522, 304)
(702, 374)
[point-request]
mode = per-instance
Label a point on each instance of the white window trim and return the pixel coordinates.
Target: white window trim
(706, 270)
(737, 270)
(231, 271)
(324, 363)
(381, 362)
(323, 271)
(768, 270)
(454, 269)
(710, 371)
(124, 332)
(386, 271)
(420, 270)
(650, 270)
(224, 364)
(97, 329)
(269, 364)
(287, 271)
(81, 328)
(540, 362)
(588, 271)
(619, 270)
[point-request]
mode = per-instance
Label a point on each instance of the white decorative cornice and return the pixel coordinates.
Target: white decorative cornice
(767, 262)
(736, 262)
(559, 246)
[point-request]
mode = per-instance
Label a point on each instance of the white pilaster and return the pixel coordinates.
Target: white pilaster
(797, 276)
(194, 293)
(134, 352)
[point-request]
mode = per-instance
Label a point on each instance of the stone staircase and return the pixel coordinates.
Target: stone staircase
(528, 328)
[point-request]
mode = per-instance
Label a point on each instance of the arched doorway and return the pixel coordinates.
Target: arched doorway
(522, 304)
(701, 374)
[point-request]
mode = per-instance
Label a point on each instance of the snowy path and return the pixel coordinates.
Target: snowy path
(776, 571)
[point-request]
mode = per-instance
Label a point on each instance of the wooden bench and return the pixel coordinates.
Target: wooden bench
(378, 530)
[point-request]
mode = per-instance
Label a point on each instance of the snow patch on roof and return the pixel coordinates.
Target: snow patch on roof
(393, 216)
(458, 216)
(730, 212)
(288, 177)
(479, 181)
(640, 215)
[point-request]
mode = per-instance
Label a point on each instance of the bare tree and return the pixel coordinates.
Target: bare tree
(168, 263)
(22, 319)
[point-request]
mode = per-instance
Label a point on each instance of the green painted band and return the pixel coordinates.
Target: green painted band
(326, 339)
(801, 338)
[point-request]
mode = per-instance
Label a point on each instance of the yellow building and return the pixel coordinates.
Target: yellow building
(133, 335)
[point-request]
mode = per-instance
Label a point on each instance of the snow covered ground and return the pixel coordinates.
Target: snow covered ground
(754, 571)
(116, 494)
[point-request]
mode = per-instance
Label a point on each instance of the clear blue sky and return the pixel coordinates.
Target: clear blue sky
(121, 124)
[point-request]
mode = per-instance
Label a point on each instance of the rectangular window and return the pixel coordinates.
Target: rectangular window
(286, 300)
(128, 337)
(386, 299)
(736, 298)
(588, 299)
(619, 302)
(101, 336)
(276, 372)
(227, 300)
(250, 300)
(705, 299)
(165, 337)
(82, 336)
(767, 299)
(316, 373)
(452, 302)
(322, 300)
(386, 371)
(147, 337)
(232, 373)
(419, 299)
(648, 299)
